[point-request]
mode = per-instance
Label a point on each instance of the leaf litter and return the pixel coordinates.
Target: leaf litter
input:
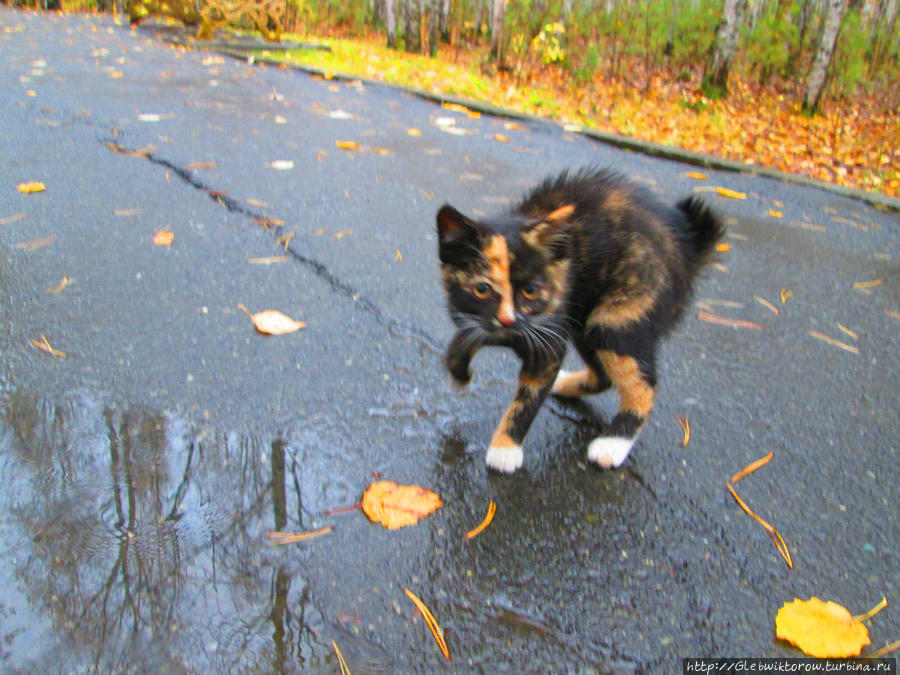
(773, 533)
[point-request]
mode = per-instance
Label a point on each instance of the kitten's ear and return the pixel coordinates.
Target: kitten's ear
(452, 224)
(551, 231)
(456, 233)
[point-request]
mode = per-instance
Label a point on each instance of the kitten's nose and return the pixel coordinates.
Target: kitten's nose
(507, 319)
(506, 313)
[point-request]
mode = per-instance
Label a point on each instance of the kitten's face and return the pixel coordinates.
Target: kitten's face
(505, 280)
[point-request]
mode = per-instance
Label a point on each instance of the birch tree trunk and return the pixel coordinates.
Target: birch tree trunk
(816, 86)
(715, 79)
(498, 10)
(390, 22)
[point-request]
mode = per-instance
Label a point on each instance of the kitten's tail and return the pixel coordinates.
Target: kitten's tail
(703, 232)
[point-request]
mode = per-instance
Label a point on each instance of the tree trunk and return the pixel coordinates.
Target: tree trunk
(498, 10)
(390, 22)
(715, 79)
(816, 85)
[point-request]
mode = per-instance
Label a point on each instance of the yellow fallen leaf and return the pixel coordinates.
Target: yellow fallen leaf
(337, 236)
(396, 506)
(865, 285)
(31, 186)
(273, 322)
(347, 145)
(734, 194)
(414, 132)
(697, 175)
(821, 629)
(501, 138)
(776, 214)
(398, 257)
(724, 247)
(163, 238)
(785, 294)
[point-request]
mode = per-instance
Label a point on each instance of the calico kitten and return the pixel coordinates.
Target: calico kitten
(588, 258)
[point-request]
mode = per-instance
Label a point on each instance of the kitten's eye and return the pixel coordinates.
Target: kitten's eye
(529, 291)
(481, 290)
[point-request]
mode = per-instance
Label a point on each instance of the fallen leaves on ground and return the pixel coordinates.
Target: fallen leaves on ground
(852, 142)
(282, 538)
(35, 244)
(431, 622)
(773, 533)
(834, 343)
(725, 321)
(345, 670)
(13, 219)
(31, 186)
(164, 238)
(273, 322)
(396, 506)
(685, 425)
(821, 629)
(58, 287)
(45, 346)
(492, 509)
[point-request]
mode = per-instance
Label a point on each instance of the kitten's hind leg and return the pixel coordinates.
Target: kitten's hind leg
(635, 382)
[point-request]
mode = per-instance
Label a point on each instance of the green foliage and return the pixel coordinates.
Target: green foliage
(767, 46)
(584, 73)
(848, 64)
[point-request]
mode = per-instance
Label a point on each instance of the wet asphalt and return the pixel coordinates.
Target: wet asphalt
(142, 471)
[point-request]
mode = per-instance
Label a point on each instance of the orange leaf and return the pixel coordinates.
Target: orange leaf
(272, 322)
(396, 506)
(164, 238)
(492, 509)
(31, 187)
(821, 629)
(724, 247)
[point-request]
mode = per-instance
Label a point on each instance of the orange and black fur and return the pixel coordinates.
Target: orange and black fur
(589, 258)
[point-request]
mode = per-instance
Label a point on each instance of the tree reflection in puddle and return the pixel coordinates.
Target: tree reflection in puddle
(132, 541)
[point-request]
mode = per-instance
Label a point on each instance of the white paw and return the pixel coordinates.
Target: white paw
(609, 452)
(559, 378)
(506, 459)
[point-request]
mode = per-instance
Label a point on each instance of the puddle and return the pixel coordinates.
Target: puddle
(134, 540)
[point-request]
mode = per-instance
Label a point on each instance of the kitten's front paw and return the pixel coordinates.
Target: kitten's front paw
(461, 376)
(609, 452)
(558, 388)
(505, 460)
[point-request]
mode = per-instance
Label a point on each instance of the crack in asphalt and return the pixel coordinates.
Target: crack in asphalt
(394, 326)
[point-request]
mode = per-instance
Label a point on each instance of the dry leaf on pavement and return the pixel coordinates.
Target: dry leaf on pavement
(821, 629)
(396, 506)
(273, 322)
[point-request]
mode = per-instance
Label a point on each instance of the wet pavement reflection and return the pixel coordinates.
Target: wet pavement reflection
(134, 541)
